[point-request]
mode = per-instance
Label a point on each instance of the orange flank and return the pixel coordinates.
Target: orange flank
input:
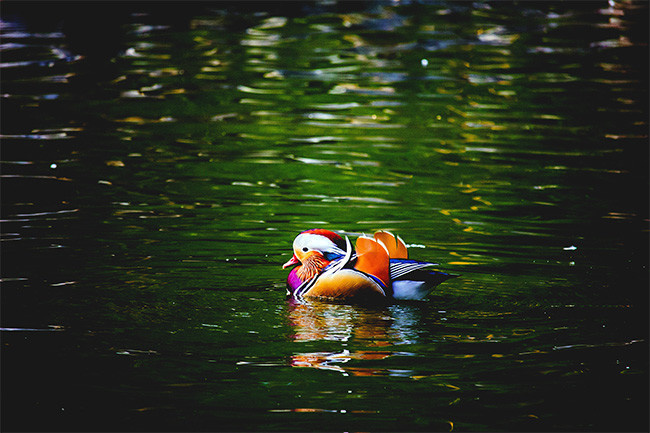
(395, 246)
(373, 259)
(345, 283)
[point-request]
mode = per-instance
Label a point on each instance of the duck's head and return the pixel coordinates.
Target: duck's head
(313, 250)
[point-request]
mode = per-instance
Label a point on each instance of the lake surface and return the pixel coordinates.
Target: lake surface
(157, 162)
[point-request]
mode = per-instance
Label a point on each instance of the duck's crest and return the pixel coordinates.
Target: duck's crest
(334, 237)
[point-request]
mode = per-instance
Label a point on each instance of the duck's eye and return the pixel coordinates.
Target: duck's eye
(305, 249)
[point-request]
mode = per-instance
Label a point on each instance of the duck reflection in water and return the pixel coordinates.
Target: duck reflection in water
(376, 330)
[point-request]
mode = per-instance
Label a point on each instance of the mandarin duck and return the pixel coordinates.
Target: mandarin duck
(326, 266)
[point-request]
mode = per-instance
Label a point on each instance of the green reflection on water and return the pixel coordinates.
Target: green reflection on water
(153, 183)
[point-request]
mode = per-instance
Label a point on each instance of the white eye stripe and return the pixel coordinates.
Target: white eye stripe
(314, 242)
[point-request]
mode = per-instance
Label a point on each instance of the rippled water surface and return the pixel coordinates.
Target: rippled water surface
(157, 162)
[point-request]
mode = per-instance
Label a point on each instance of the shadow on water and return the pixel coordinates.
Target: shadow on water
(157, 162)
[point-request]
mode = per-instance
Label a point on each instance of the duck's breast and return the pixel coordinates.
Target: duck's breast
(293, 280)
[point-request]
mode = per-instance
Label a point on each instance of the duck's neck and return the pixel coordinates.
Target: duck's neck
(311, 267)
(306, 271)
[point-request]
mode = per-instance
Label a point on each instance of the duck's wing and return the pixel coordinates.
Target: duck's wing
(400, 267)
(413, 280)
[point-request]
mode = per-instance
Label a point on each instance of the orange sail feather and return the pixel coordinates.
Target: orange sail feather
(373, 258)
(395, 246)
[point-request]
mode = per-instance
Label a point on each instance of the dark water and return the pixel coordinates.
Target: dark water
(157, 162)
